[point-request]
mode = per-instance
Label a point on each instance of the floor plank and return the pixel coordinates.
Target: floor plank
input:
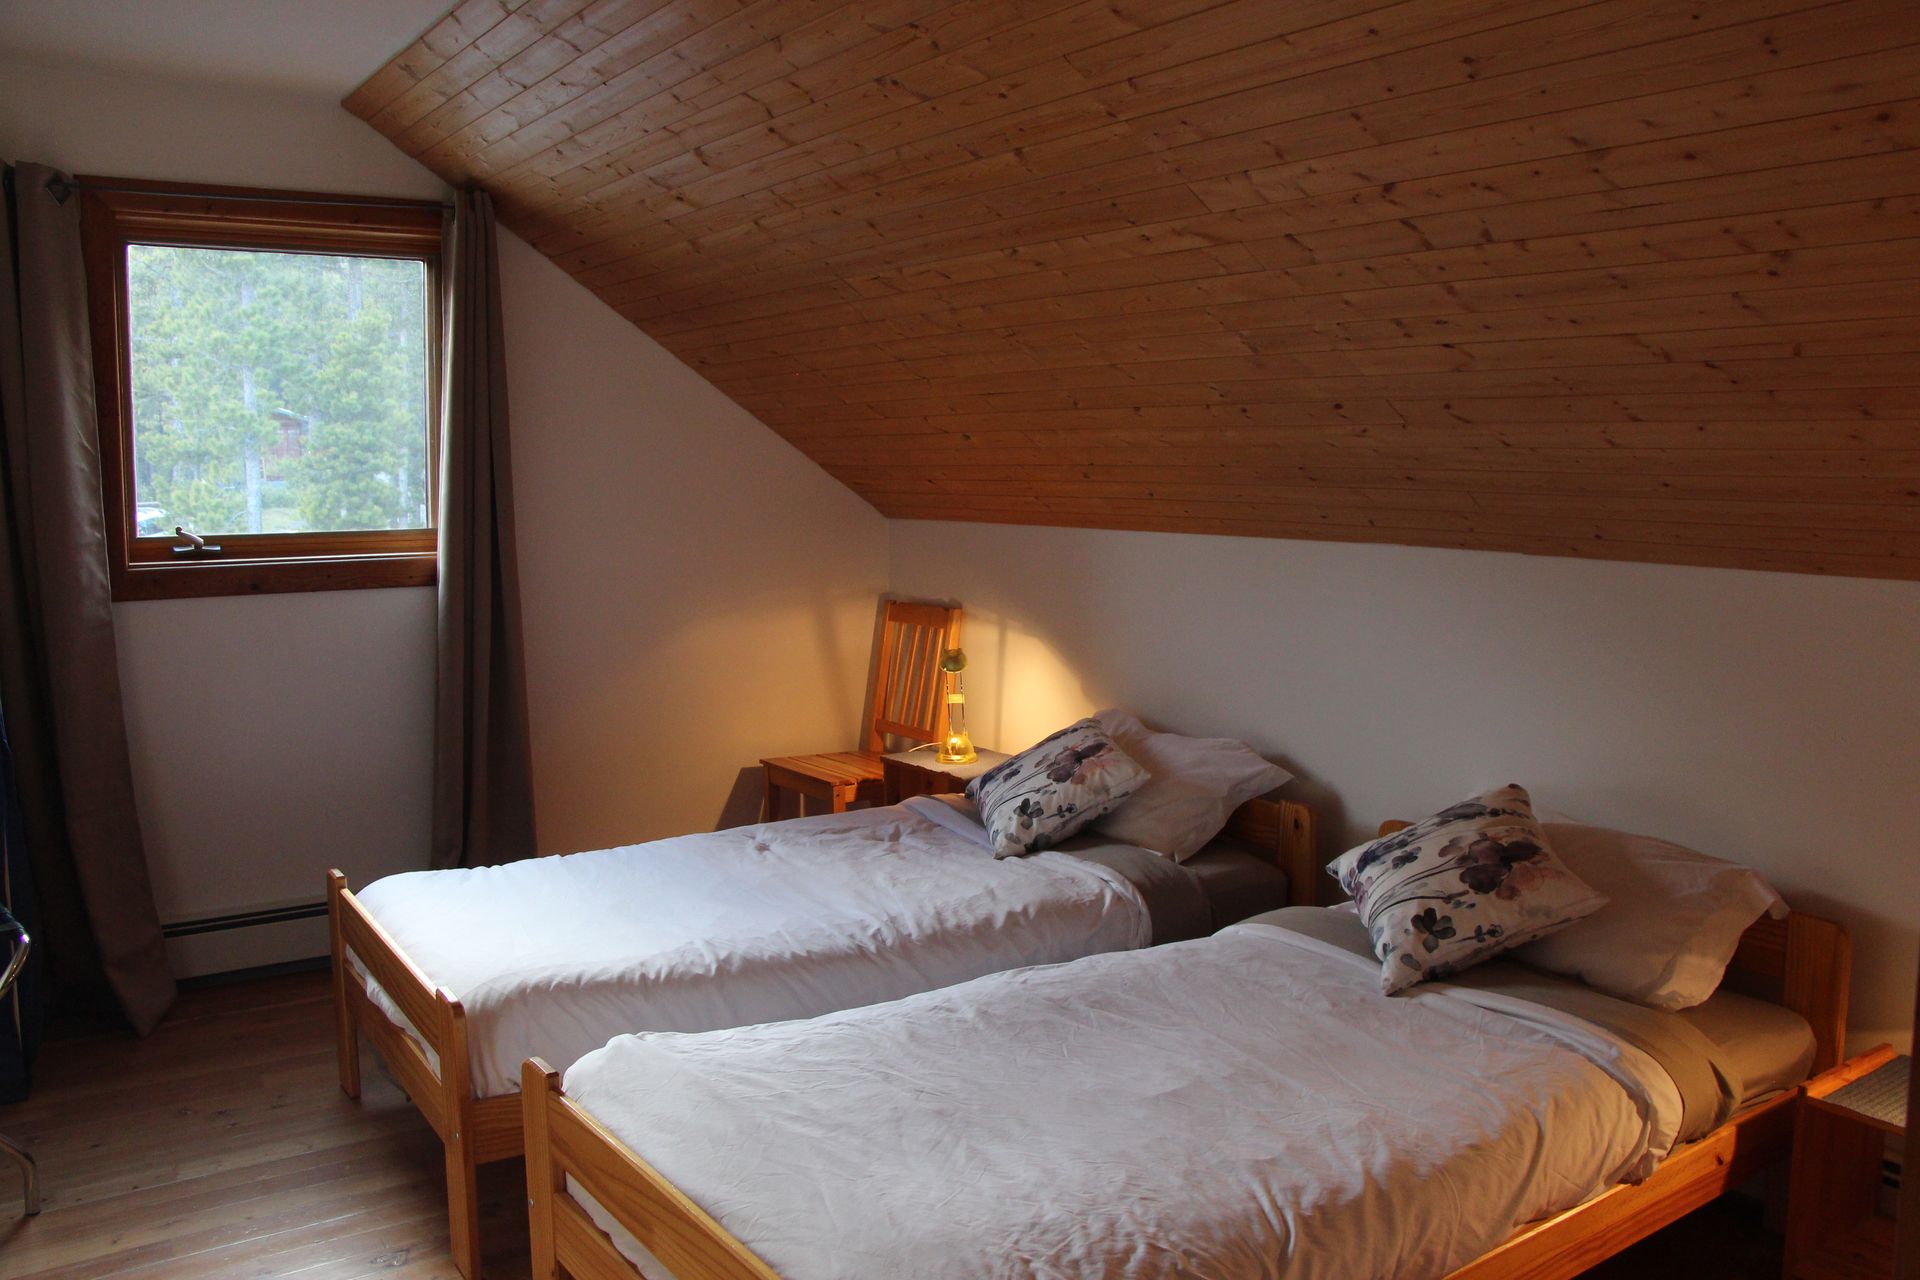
(221, 1149)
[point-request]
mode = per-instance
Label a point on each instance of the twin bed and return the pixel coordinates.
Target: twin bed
(456, 977)
(1199, 1109)
(901, 1056)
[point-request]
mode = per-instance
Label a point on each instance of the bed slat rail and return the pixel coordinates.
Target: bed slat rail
(405, 985)
(404, 1058)
(563, 1142)
(1570, 1243)
(583, 1249)
(444, 1097)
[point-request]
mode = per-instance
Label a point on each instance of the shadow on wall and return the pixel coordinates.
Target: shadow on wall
(1034, 689)
(745, 799)
(641, 709)
(1028, 684)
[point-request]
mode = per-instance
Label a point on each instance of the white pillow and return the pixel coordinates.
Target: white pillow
(1671, 924)
(1195, 786)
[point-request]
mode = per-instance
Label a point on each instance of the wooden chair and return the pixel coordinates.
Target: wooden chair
(907, 703)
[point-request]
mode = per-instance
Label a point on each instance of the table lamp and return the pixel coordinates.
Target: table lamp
(957, 747)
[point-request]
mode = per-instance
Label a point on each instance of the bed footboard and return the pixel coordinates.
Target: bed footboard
(356, 1015)
(564, 1142)
(474, 1131)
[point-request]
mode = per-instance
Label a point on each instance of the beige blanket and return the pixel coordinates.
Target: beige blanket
(1709, 1085)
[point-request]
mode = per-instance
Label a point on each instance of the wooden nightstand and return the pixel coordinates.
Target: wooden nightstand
(1839, 1144)
(917, 773)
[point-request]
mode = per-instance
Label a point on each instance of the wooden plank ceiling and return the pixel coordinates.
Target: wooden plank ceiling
(1634, 279)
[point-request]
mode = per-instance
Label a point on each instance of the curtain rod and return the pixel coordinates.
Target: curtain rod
(61, 188)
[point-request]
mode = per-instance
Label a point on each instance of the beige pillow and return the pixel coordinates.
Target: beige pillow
(1671, 924)
(1195, 786)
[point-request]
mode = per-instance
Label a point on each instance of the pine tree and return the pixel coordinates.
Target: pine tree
(229, 344)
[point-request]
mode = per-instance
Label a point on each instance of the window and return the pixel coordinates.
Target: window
(266, 367)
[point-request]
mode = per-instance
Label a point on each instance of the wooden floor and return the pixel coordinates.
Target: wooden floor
(221, 1148)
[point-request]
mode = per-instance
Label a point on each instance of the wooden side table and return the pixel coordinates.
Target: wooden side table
(1844, 1120)
(918, 773)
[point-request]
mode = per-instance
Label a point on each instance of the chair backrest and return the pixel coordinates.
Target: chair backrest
(908, 686)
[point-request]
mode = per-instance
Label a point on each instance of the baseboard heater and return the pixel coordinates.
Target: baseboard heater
(245, 940)
(243, 920)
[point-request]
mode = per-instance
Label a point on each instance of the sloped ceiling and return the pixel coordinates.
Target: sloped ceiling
(1633, 279)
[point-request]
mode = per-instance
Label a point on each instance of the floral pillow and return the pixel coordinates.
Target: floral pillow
(1053, 788)
(1460, 887)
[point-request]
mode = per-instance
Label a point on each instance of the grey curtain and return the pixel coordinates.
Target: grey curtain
(59, 670)
(483, 767)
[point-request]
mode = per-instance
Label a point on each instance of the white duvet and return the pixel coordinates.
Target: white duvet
(1246, 1105)
(786, 920)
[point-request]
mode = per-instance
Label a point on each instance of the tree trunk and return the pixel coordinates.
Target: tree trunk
(250, 455)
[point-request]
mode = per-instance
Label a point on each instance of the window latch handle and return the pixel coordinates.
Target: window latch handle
(196, 545)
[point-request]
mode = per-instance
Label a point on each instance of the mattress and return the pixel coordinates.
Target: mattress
(1240, 1106)
(1770, 1046)
(1224, 883)
(1763, 1048)
(756, 924)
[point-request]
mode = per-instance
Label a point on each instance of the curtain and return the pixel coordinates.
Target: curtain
(59, 670)
(482, 761)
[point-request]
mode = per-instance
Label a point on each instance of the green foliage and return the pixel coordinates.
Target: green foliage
(278, 392)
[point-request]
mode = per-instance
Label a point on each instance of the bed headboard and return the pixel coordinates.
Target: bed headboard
(1803, 962)
(1282, 830)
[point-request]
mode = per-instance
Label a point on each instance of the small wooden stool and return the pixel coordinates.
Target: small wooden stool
(836, 778)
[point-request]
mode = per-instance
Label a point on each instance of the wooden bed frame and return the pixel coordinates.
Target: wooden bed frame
(478, 1131)
(1802, 962)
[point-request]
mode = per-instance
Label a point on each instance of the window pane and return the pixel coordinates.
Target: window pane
(277, 392)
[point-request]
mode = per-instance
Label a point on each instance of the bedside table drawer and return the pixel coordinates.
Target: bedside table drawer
(906, 774)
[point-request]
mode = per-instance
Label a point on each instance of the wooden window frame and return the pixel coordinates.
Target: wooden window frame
(118, 212)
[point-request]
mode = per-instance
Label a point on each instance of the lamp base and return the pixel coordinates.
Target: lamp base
(957, 749)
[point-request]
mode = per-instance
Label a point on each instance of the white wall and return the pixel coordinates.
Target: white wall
(1772, 718)
(698, 593)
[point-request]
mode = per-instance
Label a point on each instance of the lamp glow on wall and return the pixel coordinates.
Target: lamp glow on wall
(956, 747)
